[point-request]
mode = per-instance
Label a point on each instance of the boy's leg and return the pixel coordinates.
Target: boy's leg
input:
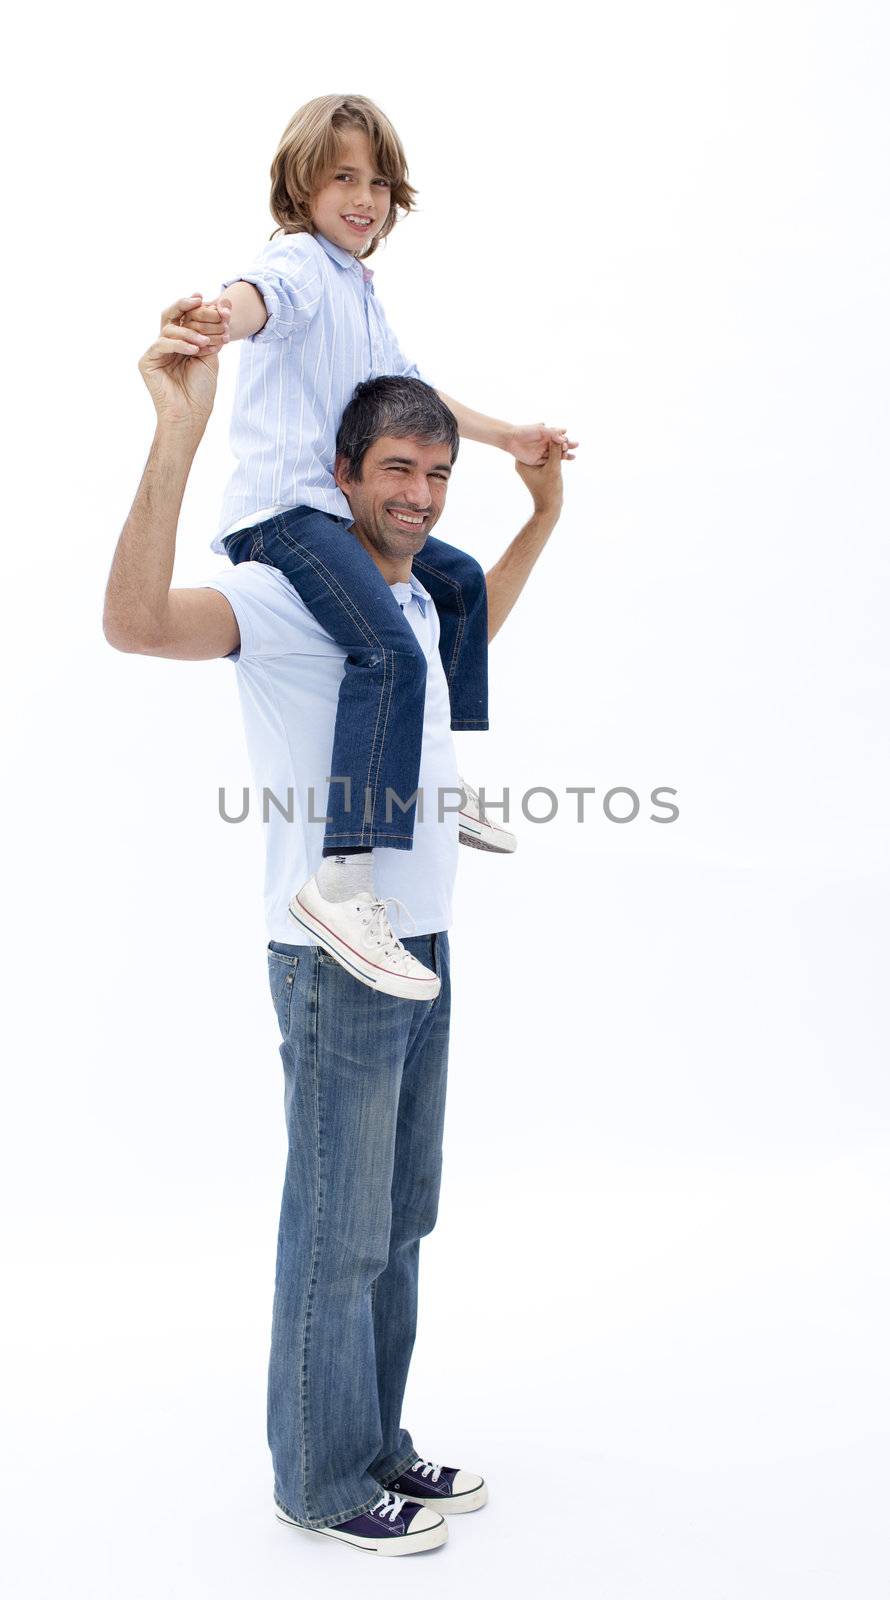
(379, 726)
(457, 584)
(344, 1051)
(415, 1197)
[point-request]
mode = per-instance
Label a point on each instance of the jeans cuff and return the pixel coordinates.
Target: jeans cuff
(372, 839)
(396, 1472)
(331, 1521)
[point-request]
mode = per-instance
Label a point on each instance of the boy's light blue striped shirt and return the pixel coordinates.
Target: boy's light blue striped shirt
(326, 332)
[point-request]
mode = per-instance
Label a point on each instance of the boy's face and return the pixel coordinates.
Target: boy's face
(400, 495)
(354, 203)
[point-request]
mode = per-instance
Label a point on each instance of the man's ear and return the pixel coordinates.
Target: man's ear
(341, 474)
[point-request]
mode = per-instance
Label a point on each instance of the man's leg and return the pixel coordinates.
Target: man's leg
(417, 1170)
(344, 1047)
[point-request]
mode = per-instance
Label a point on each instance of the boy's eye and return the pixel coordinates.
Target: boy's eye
(383, 182)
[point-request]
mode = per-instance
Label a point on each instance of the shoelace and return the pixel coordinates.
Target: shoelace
(380, 934)
(388, 1506)
(430, 1469)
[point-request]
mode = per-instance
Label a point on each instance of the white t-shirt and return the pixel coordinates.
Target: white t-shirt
(289, 672)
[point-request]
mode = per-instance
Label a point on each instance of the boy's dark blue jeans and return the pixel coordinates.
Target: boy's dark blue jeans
(379, 726)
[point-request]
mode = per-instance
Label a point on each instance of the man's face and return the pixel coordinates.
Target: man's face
(352, 206)
(400, 495)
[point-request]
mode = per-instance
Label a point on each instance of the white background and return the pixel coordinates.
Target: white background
(655, 1305)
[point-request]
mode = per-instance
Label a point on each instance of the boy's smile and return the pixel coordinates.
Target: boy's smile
(354, 203)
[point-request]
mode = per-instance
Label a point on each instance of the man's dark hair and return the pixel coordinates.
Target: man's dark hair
(398, 408)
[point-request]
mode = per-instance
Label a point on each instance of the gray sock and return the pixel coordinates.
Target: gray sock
(340, 877)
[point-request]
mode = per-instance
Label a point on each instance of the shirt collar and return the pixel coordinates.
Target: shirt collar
(419, 593)
(343, 258)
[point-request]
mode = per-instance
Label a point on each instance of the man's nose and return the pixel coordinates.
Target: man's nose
(418, 491)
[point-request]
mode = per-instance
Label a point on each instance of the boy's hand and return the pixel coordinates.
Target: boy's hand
(544, 483)
(181, 386)
(531, 444)
(210, 318)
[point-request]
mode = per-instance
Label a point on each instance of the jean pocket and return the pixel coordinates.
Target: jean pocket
(282, 976)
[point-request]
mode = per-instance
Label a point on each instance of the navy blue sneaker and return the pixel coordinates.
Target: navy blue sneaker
(394, 1526)
(449, 1489)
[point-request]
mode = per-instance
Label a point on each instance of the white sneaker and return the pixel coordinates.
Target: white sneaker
(358, 933)
(476, 830)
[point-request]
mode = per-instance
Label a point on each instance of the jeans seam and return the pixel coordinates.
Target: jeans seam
(314, 1253)
(443, 578)
(389, 678)
(378, 831)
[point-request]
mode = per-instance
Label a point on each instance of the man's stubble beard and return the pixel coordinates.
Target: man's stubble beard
(388, 544)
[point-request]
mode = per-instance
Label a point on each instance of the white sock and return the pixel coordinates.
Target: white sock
(340, 877)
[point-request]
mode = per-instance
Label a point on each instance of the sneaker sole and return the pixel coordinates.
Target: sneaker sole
(452, 1505)
(354, 964)
(477, 838)
(403, 1544)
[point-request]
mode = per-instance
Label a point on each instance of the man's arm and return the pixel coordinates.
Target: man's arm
(508, 577)
(142, 613)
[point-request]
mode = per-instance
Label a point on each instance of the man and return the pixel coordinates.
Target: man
(365, 1072)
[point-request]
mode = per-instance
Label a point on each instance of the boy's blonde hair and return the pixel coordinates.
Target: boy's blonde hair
(310, 150)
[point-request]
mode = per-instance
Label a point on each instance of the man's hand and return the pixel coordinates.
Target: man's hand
(544, 483)
(531, 444)
(180, 369)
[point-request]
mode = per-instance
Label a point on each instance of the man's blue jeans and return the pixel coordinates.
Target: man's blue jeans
(379, 727)
(364, 1097)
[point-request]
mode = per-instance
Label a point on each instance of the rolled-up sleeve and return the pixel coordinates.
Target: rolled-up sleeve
(289, 280)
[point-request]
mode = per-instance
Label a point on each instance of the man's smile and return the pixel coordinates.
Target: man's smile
(407, 519)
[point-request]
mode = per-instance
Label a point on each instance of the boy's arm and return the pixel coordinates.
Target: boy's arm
(530, 443)
(143, 615)
(508, 577)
